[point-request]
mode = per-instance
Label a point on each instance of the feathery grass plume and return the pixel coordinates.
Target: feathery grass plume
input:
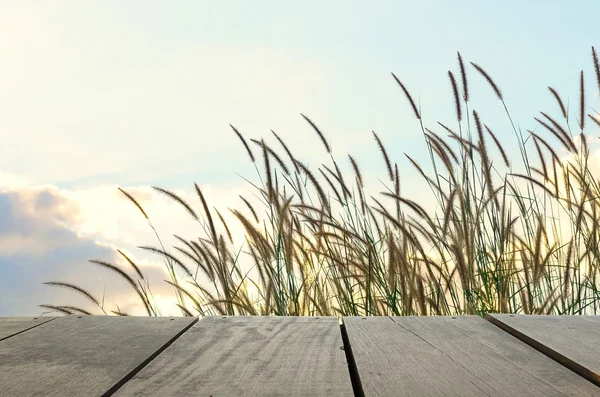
(193, 255)
(253, 235)
(337, 195)
(393, 264)
(421, 297)
(441, 154)
(250, 207)
(135, 267)
(186, 293)
(418, 167)
(170, 256)
(299, 191)
(448, 129)
(134, 201)
(461, 266)
(585, 145)
(567, 272)
(361, 196)
(244, 142)
(486, 166)
(596, 67)
(413, 205)
(373, 218)
(397, 188)
(555, 157)
(444, 144)
(581, 102)
(274, 154)
(178, 199)
(276, 194)
(388, 164)
(337, 176)
(287, 151)
(449, 211)
(356, 171)
(288, 227)
(75, 288)
(498, 145)
(562, 131)
(440, 146)
(467, 145)
(412, 103)
(534, 182)
(128, 278)
(595, 120)
(317, 185)
(208, 255)
(537, 250)
(541, 156)
(560, 102)
(270, 187)
(567, 184)
(211, 224)
(562, 140)
(340, 179)
(318, 132)
(489, 80)
(77, 310)
(60, 309)
(463, 75)
(456, 99)
(224, 225)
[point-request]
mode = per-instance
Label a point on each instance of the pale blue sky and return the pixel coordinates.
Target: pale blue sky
(95, 95)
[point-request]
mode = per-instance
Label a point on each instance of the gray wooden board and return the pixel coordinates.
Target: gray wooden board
(10, 326)
(453, 356)
(574, 341)
(249, 356)
(81, 356)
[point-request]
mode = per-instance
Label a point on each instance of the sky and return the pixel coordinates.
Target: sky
(99, 95)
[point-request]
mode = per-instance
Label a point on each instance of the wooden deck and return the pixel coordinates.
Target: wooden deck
(502, 355)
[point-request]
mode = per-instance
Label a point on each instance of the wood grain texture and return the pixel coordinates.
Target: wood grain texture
(249, 356)
(573, 341)
(453, 356)
(81, 355)
(10, 326)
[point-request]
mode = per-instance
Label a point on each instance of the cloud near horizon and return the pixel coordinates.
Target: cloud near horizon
(50, 234)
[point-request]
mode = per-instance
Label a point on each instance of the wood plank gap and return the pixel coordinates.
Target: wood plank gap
(28, 329)
(147, 361)
(551, 353)
(352, 369)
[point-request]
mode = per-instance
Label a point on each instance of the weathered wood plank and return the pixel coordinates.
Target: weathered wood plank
(10, 326)
(82, 355)
(453, 356)
(249, 356)
(573, 341)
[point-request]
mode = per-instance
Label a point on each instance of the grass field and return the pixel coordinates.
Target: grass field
(496, 243)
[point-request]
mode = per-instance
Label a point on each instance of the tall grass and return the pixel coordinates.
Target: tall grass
(495, 243)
